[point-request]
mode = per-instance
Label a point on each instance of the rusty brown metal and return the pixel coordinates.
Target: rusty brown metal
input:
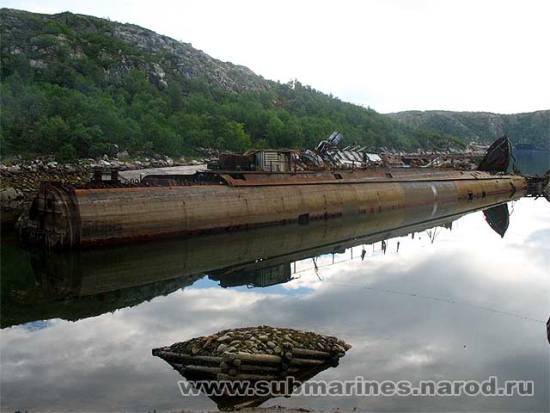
(226, 201)
(54, 217)
(349, 176)
(67, 278)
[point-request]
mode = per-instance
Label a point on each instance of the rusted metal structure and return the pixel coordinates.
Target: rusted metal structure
(262, 187)
(498, 156)
(164, 206)
(273, 160)
(87, 282)
(265, 160)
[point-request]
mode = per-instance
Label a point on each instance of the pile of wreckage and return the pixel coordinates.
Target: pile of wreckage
(328, 155)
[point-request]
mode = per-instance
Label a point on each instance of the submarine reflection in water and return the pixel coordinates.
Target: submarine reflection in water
(85, 283)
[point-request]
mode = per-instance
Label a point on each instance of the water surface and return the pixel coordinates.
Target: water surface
(452, 302)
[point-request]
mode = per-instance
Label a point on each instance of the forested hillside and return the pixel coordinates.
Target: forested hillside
(527, 128)
(76, 85)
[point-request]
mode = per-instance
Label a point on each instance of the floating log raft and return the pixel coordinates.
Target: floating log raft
(253, 354)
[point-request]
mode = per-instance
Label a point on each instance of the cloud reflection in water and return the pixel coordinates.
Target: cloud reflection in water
(467, 306)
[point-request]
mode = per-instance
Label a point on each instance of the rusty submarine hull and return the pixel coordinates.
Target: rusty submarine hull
(81, 283)
(260, 188)
(167, 206)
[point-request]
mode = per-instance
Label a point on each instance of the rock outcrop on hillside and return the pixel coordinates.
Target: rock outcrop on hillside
(134, 48)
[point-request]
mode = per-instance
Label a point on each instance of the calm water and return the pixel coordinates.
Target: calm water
(454, 302)
(532, 162)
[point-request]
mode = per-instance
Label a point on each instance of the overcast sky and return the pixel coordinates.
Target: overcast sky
(391, 55)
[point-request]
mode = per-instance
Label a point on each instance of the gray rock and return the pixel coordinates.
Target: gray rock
(224, 338)
(248, 340)
(13, 168)
(10, 194)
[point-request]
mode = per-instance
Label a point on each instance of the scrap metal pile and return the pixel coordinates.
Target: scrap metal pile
(253, 354)
(327, 154)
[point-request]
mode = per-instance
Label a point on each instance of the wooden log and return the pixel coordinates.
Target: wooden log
(269, 359)
(254, 358)
(247, 377)
(182, 369)
(188, 357)
(268, 369)
(306, 362)
(310, 353)
(156, 351)
(178, 367)
(252, 368)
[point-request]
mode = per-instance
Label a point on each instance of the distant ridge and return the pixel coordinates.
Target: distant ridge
(523, 128)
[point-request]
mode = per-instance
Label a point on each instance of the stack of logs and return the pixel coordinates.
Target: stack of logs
(254, 354)
(244, 366)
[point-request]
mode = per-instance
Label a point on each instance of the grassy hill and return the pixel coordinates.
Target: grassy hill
(76, 85)
(532, 128)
